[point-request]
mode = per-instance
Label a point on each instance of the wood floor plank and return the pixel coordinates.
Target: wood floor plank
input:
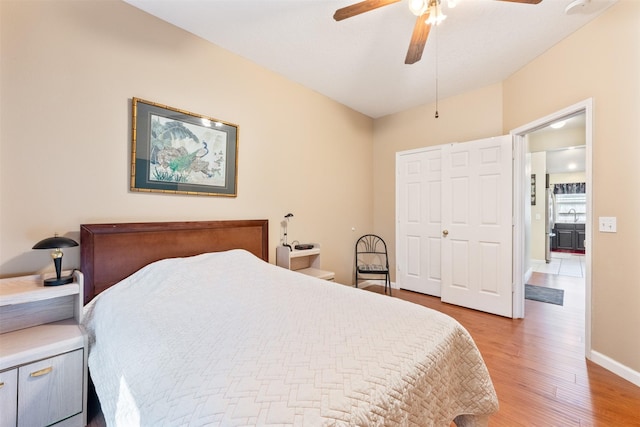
(537, 364)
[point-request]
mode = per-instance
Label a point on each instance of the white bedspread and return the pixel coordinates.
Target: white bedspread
(228, 339)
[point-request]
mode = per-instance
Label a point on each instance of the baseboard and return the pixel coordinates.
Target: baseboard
(375, 282)
(616, 367)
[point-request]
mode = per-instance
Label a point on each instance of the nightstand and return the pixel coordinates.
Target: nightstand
(305, 261)
(43, 353)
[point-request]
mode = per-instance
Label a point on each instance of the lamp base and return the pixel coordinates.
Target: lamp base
(54, 281)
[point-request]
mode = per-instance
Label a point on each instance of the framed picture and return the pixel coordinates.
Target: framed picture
(175, 151)
(533, 189)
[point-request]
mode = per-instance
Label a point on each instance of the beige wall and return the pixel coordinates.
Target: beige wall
(602, 61)
(68, 72)
(474, 115)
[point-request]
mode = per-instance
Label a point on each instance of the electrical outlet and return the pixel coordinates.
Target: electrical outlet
(607, 224)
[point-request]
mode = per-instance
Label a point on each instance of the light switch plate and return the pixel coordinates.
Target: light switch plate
(607, 224)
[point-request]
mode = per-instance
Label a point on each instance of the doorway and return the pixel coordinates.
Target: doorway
(557, 157)
(522, 207)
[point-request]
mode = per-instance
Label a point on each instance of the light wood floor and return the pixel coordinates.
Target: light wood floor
(537, 363)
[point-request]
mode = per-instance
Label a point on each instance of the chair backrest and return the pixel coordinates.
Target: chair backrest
(371, 250)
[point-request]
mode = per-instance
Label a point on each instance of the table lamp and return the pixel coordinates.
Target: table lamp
(286, 222)
(56, 242)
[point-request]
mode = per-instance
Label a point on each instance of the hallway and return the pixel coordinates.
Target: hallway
(564, 264)
(565, 271)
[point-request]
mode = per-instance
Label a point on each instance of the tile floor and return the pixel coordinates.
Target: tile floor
(564, 264)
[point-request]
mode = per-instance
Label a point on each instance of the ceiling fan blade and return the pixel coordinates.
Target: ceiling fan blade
(418, 39)
(362, 7)
(523, 1)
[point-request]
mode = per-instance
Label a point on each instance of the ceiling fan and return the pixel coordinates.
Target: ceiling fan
(427, 11)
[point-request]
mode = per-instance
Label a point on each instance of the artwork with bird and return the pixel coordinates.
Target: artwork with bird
(186, 153)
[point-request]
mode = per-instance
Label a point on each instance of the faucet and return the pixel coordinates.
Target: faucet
(575, 214)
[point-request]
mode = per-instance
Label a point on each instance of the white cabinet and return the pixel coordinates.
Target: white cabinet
(53, 385)
(8, 397)
(43, 353)
(305, 261)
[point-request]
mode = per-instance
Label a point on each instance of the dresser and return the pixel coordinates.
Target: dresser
(43, 353)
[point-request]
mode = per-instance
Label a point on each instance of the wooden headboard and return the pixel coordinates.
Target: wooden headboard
(111, 252)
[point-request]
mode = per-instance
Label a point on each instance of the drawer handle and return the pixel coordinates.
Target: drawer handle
(42, 372)
(1, 384)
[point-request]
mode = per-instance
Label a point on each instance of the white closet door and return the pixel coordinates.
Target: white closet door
(418, 220)
(477, 225)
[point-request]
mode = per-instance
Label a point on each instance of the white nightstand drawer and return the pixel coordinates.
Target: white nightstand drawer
(8, 397)
(51, 390)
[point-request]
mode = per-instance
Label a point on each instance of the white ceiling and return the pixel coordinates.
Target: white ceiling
(359, 62)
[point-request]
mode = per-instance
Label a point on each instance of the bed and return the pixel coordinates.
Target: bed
(189, 324)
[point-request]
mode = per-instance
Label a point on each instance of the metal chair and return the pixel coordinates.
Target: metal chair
(372, 260)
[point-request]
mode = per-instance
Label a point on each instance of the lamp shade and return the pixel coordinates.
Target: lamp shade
(55, 242)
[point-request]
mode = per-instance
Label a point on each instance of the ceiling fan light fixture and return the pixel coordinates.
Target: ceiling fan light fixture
(418, 7)
(435, 13)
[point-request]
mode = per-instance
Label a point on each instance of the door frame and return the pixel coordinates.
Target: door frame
(521, 202)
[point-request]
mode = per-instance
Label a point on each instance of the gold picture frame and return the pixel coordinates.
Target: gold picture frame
(176, 151)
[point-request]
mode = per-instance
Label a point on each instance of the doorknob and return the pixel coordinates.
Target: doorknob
(445, 233)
